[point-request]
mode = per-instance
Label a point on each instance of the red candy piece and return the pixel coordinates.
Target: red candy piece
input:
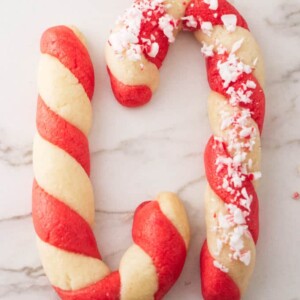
(257, 105)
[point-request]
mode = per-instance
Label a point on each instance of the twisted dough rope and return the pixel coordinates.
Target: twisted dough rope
(134, 53)
(63, 205)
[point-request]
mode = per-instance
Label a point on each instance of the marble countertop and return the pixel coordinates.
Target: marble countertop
(138, 153)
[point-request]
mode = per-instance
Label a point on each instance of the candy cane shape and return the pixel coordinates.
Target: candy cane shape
(236, 112)
(63, 205)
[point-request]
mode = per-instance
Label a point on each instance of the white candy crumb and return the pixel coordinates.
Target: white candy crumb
(237, 45)
(165, 24)
(250, 84)
(231, 69)
(256, 175)
(207, 50)
(246, 258)
(154, 50)
(125, 40)
(213, 4)
(229, 22)
(220, 266)
(191, 21)
(207, 28)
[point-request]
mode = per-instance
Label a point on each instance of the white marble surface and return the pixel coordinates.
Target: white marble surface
(137, 153)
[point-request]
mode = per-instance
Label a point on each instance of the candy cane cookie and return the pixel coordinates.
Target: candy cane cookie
(63, 204)
(236, 111)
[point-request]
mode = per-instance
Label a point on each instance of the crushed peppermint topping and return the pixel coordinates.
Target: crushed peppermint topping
(241, 135)
(231, 69)
(213, 4)
(220, 266)
(242, 95)
(207, 50)
(232, 226)
(167, 24)
(237, 45)
(245, 258)
(250, 84)
(126, 41)
(207, 28)
(229, 22)
(190, 21)
(221, 49)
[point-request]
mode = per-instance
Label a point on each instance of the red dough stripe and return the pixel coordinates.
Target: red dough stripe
(151, 28)
(216, 285)
(57, 224)
(105, 289)
(62, 43)
(64, 135)
(201, 12)
(215, 179)
(158, 237)
(129, 95)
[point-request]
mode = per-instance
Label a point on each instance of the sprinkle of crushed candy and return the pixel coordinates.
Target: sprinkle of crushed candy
(213, 4)
(241, 136)
(190, 21)
(167, 24)
(220, 266)
(207, 50)
(126, 42)
(229, 22)
(296, 196)
(231, 69)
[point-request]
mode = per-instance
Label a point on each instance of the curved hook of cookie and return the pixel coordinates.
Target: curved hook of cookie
(63, 201)
(235, 74)
(137, 47)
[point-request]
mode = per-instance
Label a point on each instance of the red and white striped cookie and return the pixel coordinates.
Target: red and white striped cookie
(63, 204)
(135, 51)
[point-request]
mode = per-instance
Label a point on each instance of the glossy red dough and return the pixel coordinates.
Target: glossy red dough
(215, 284)
(129, 95)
